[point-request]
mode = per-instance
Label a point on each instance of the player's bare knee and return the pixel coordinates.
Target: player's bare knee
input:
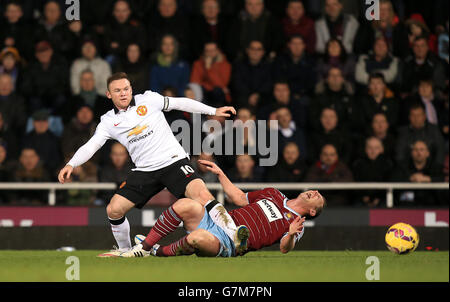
(186, 207)
(114, 210)
(198, 238)
(197, 190)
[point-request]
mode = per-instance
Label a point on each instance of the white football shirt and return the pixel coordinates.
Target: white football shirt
(143, 130)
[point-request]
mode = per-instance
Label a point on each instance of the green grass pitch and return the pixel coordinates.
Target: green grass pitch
(262, 266)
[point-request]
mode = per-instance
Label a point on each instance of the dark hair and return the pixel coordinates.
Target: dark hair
(421, 37)
(426, 80)
(377, 75)
(343, 55)
(417, 105)
(291, 37)
(116, 76)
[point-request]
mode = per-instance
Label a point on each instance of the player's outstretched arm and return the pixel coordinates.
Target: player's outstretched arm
(193, 106)
(236, 195)
(287, 243)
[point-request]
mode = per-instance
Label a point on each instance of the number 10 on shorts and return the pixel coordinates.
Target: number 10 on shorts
(187, 170)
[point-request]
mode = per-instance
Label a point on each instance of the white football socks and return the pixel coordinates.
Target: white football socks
(121, 232)
(221, 217)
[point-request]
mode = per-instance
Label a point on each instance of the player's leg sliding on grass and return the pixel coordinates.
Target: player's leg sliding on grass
(195, 220)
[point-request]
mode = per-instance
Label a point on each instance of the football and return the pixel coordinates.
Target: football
(401, 238)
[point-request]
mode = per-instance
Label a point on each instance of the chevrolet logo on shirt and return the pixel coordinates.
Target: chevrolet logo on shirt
(137, 130)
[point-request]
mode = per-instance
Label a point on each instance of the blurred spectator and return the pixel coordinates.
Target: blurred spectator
(6, 169)
(81, 33)
(420, 129)
(435, 109)
(136, 66)
(446, 168)
(443, 44)
(417, 28)
(335, 24)
(116, 171)
(388, 26)
(210, 25)
(8, 140)
(251, 77)
(44, 142)
(333, 92)
(297, 23)
(289, 132)
(330, 169)
(167, 20)
(12, 106)
(30, 169)
(246, 122)
(207, 176)
(373, 167)
(90, 60)
(46, 81)
(379, 99)
(290, 168)
(296, 67)
(15, 30)
(79, 130)
(255, 23)
(167, 69)
(194, 91)
(380, 129)
(121, 31)
(282, 97)
(245, 170)
(420, 168)
(336, 56)
(379, 60)
(11, 63)
(53, 28)
(330, 133)
(212, 71)
(89, 96)
(422, 64)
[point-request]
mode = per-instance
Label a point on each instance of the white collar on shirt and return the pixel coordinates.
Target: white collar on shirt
(288, 208)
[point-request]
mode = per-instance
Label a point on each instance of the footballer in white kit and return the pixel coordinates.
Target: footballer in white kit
(139, 124)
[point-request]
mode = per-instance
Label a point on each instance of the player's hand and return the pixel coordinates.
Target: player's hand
(65, 174)
(210, 166)
(296, 226)
(223, 111)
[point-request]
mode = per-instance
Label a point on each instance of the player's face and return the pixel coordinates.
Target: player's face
(311, 199)
(120, 92)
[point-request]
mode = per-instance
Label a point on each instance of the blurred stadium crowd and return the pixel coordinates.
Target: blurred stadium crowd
(355, 100)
